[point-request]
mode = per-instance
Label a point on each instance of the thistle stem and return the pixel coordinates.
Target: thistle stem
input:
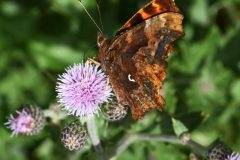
(131, 138)
(93, 134)
(197, 148)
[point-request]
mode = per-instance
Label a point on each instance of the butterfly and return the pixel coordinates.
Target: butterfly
(135, 59)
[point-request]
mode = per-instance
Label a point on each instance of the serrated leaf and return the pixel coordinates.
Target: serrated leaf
(178, 127)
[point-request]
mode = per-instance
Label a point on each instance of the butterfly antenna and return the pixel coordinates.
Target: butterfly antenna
(80, 1)
(99, 13)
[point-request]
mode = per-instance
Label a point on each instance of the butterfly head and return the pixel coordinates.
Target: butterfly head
(101, 40)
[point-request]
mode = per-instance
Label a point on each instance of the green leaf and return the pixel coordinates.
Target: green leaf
(235, 91)
(170, 97)
(192, 120)
(194, 53)
(54, 56)
(199, 12)
(209, 88)
(179, 127)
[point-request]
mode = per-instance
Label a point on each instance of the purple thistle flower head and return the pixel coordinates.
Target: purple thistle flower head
(28, 121)
(233, 156)
(82, 88)
(22, 123)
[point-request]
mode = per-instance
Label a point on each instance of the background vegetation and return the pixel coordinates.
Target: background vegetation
(39, 38)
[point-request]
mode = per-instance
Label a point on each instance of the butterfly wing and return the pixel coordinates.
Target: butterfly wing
(135, 60)
(151, 9)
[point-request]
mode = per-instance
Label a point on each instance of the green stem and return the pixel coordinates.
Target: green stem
(197, 148)
(93, 134)
(131, 138)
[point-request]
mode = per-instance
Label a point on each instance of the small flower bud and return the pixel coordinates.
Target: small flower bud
(27, 121)
(185, 138)
(73, 136)
(218, 151)
(114, 112)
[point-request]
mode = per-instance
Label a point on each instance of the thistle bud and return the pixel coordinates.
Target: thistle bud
(27, 121)
(73, 136)
(218, 151)
(114, 112)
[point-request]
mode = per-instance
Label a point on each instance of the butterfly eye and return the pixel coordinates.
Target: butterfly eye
(130, 79)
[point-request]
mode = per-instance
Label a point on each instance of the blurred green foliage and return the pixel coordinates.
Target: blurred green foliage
(38, 39)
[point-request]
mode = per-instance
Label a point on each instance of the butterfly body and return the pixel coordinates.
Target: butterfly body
(135, 59)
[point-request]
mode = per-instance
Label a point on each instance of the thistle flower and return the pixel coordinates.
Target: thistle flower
(233, 156)
(73, 136)
(82, 88)
(218, 151)
(114, 112)
(28, 121)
